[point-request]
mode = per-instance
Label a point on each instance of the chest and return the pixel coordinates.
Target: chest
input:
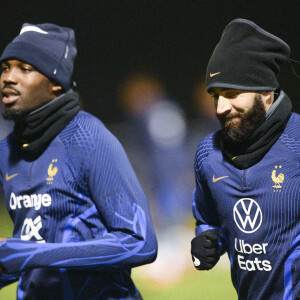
(43, 194)
(261, 201)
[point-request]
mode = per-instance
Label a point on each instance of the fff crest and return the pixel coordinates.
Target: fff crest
(52, 170)
(278, 179)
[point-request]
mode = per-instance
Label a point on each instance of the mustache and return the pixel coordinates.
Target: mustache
(6, 87)
(224, 118)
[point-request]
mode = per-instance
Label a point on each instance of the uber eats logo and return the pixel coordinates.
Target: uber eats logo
(248, 218)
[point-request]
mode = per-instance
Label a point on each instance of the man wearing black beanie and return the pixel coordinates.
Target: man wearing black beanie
(81, 219)
(246, 201)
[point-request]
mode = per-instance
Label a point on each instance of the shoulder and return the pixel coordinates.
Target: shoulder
(85, 121)
(4, 151)
(6, 144)
(292, 127)
(3, 144)
(291, 135)
(207, 146)
(86, 132)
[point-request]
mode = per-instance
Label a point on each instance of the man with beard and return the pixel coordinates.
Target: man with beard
(246, 200)
(81, 219)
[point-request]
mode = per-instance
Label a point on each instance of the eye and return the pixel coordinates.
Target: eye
(26, 69)
(215, 97)
(4, 68)
(231, 94)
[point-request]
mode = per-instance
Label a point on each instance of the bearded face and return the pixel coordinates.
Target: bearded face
(237, 127)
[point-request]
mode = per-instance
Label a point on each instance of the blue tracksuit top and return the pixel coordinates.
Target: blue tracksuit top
(257, 211)
(81, 219)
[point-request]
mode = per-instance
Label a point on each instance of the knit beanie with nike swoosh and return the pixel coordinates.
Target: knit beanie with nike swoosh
(246, 58)
(50, 48)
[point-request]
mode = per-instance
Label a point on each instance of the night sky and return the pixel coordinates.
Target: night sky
(171, 39)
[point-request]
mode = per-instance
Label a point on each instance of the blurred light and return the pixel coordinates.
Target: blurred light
(166, 124)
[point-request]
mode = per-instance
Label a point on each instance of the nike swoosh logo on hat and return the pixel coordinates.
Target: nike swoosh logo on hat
(214, 74)
(219, 178)
(7, 178)
(32, 28)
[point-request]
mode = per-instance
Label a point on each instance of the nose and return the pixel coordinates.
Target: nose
(9, 76)
(223, 105)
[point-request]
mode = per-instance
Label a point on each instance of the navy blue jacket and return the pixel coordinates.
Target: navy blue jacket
(81, 219)
(257, 212)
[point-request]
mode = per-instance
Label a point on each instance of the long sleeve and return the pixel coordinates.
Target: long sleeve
(203, 208)
(6, 279)
(127, 237)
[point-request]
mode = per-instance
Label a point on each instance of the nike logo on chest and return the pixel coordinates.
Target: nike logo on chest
(214, 179)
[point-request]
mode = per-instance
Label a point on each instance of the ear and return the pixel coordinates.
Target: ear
(56, 88)
(268, 99)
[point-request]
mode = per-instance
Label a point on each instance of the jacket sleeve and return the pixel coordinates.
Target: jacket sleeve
(205, 212)
(127, 239)
(203, 208)
(6, 279)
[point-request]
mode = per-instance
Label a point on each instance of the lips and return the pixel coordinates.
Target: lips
(9, 95)
(233, 118)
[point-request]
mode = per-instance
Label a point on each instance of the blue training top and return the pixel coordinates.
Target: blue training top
(81, 219)
(257, 211)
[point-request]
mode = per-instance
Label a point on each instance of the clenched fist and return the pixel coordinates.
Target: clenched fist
(205, 250)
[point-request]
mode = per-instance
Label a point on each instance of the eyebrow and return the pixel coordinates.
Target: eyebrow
(214, 92)
(227, 89)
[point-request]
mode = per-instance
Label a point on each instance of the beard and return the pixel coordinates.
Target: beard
(236, 136)
(14, 115)
(8, 112)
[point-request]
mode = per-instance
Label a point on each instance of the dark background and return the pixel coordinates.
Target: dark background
(172, 39)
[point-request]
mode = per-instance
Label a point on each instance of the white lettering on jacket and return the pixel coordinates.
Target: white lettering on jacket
(28, 201)
(256, 264)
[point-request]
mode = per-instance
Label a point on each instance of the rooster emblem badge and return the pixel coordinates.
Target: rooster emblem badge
(51, 171)
(278, 179)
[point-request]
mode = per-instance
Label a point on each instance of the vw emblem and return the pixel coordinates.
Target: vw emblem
(247, 215)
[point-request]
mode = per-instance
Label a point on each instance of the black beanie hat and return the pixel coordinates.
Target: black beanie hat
(49, 48)
(246, 58)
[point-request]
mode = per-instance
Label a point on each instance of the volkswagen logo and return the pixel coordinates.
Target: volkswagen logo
(247, 215)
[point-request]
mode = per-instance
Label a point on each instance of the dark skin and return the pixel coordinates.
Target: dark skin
(24, 89)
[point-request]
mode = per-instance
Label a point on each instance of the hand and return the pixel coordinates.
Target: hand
(205, 250)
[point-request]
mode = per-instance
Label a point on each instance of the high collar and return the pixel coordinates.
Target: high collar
(37, 129)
